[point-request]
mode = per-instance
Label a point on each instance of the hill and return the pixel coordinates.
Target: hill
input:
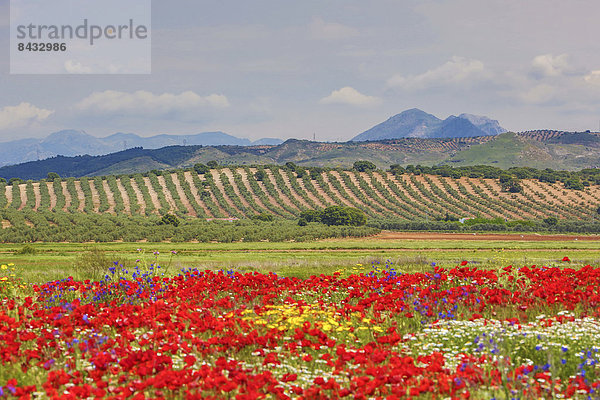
(419, 124)
(75, 143)
(240, 192)
(539, 149)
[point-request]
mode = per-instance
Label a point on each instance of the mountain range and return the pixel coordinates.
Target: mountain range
(74, 143)
(415, 123)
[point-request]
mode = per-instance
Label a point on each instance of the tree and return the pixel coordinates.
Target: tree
(212, 164)
(52, 176)
(2, 180)
(201, 169)
(363, 166)
(338, 215)
(302, 222)
(551, 221)
(260, 175)
(169, 219)
(263, 217)
(311, 215)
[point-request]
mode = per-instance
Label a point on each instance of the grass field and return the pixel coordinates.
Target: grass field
(58, 260)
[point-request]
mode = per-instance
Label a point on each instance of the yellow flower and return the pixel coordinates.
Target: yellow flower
(4, 267)
(3, 278)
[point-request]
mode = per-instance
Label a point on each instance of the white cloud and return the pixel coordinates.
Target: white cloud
(74, 67)
(547, 65)
(459, 70)
(319, 29)
(147, 104)
(593, 77)
(538, 94)
(22, 115)
(350, 96)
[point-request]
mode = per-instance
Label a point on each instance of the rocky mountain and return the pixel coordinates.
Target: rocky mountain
(75, 143)
(419, 124)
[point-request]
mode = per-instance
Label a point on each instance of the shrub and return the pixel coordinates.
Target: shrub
(201, 169)
(52, 176)
(302, 222)
(339, 215)
(311, 215)
(260, 175)
(93, 264)
(363, 166)
(27, 249)
(263, 217)
(169, 219)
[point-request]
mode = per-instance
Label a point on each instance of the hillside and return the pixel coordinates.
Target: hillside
(236, 193)
(539, 149)
(419, 124)
(79, 143)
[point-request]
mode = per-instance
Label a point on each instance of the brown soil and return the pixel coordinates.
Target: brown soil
(23, 191)
(214, 199)
(6, 224)
(50, 187)
(80, 196)
(406, 180)
(440, 181)
(153, 195)
(309, 194)
(286, 200)
(110, 197)
(126, 201)
(67, 195)
(139, 197)
(388, 235)
(29, 223)
(8, 194)
(217, 179)
(95, 196)
(382, 201)
(167, 193)
(38, 196)
(189, 179)
(350, 193)
(333, 190)
(320, 191)
(258, 201)
(236, 190)
(184, 200)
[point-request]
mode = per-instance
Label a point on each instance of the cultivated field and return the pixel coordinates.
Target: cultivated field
(227, 193)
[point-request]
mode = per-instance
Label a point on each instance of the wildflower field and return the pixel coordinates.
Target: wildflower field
(367, 331)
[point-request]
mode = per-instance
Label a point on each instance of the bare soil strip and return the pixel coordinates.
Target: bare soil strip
(309, 194)
(38, 195)
(229, 174)
(257, 199)
(80, 196)
(320, 191)
(333, 190)
(67, 195)
(382, 201)
(385, 184)
(388, 235)
(458, 196)
(167, 193)
(126, 200)
(23, 192)
(286, 200)
(110, 197)
(53, 199)
(29, 223)
(215, 200)
(153, 195)
(8, 194)
(497, 195)
(6, 224)
(95, 197)
(190, 180)
(139, 196)
(408, 182)
(182, 196)
(217, 179)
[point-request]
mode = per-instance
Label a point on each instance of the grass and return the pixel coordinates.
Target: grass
(49, 261)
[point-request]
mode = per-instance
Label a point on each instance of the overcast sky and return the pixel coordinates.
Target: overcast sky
(279, 68)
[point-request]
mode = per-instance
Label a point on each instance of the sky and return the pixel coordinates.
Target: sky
(332, 69)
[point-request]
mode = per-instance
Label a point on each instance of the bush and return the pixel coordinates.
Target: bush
(92, 264)
(311, 215)
(364, 166)
(52, 176)
(263, 217)
(169, 219)
(260, 175)
(338, 215)
(212, 164)
(201, 169)
(302, 222)
(27, 249)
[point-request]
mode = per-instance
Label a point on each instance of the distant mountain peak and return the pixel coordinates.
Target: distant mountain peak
(418, 123)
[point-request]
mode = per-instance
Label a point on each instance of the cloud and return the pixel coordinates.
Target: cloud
(74, 67)
(539, 94)
(547, 65)
(350, 96)
(593, 77)
(459, 70)
(147, 104)
(22, 115)
(319, 29)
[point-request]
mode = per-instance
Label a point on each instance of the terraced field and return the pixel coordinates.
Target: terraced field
(227, 193)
